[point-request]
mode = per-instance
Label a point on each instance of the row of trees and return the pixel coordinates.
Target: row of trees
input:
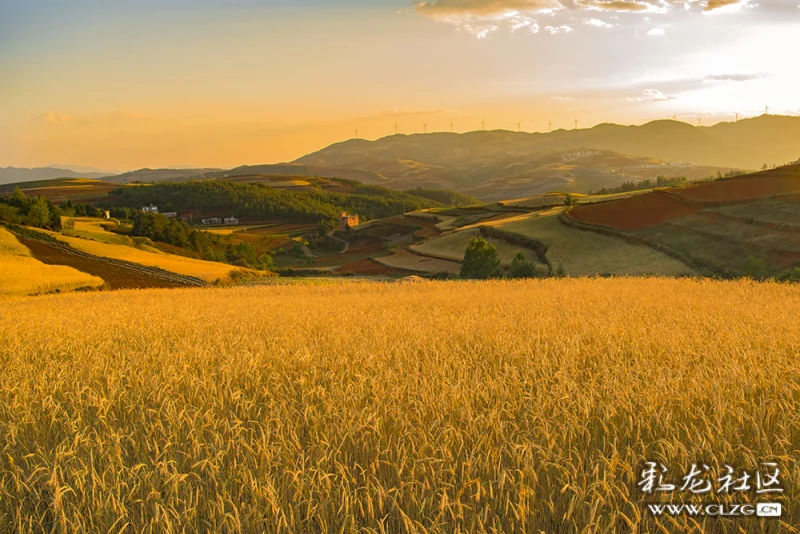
(481, 262)
(258, 201)
(661, 181)
(38, 212)
(209, 246)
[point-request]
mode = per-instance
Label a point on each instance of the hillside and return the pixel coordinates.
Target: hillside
(497, 164)
(748, 225)
(160, 175)
(10, 175)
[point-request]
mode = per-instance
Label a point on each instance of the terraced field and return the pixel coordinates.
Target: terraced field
(583, 253)
(722, 227)
(92, 228)
(22, 274)
(452, 247)
(204, 270)
(408, 261)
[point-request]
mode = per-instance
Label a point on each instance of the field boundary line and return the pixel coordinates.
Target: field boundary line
(565, 218)
(142, 269)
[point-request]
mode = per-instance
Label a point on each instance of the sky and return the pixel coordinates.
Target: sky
(121, 85)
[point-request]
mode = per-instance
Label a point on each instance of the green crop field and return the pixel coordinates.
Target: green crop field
(588, 253)
(452, 247)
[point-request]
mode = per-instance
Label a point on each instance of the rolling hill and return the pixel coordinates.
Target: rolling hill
(10, 175)
(498, 164)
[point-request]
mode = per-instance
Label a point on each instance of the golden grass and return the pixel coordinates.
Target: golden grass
(585, 253)
(91, 228)
(421, 264)
(434, 407)
(205, 270)
(22, 274)
(453, 246)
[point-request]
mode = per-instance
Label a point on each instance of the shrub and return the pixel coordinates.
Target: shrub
(522, 267)
(755, 268)
(790, 276)
(480, 260)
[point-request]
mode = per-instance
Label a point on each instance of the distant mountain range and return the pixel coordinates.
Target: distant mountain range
(161, 175)
(471, 162)
(500, 164)
(10, 175)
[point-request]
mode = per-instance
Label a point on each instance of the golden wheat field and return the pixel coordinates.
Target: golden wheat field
(205, 270)
(424, 407)
(22, 274)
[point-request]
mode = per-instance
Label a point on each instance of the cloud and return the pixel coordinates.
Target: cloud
(711, 5)
(444, 8)
(651, 95)
(598, 23)
(483, 17)
(558, 29)
(52, 117)
(656, 32)
(732, 77)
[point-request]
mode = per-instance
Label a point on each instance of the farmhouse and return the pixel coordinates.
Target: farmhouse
(170, 214)
(231, 220)
(346, 221)
(212, 220)
(150, 209)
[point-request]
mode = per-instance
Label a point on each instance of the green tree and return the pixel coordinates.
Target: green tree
(789, 275)
(755, 268)
(560, 272)
(480, 260)
(38, 214)
(521, 267)
(9, 214)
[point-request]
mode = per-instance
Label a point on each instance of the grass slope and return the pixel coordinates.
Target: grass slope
(587, 253)
(21, 274)
(431, 407)
(205, 270)
(453, 246)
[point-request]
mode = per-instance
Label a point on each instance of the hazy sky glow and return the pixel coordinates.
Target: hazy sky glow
(128, 84)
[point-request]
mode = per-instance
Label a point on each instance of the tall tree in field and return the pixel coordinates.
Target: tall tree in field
(480, 260)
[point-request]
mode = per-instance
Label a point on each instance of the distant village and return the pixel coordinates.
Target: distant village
(346, 221)
(211, 221)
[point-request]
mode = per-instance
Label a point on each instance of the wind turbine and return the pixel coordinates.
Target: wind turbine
(519, 127)
(451, 126)
(483, 125)
(699, 119)
(425, 127)
(395, 127)
(737, 113)
(766, 110)
(549, 126)
(356, 131)
(576, 123)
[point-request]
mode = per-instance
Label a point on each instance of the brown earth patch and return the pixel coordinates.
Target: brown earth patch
(365, 245)
(366, 267)
(632, 213)
(114, 276)
(754, 186)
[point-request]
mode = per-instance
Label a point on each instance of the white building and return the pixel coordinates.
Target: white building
(150, 209)
(231, 220)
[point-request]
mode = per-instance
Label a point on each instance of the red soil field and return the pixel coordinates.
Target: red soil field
(365, 245)
(115, 277)
(632, 213)
(764, 184)
(366, 267)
